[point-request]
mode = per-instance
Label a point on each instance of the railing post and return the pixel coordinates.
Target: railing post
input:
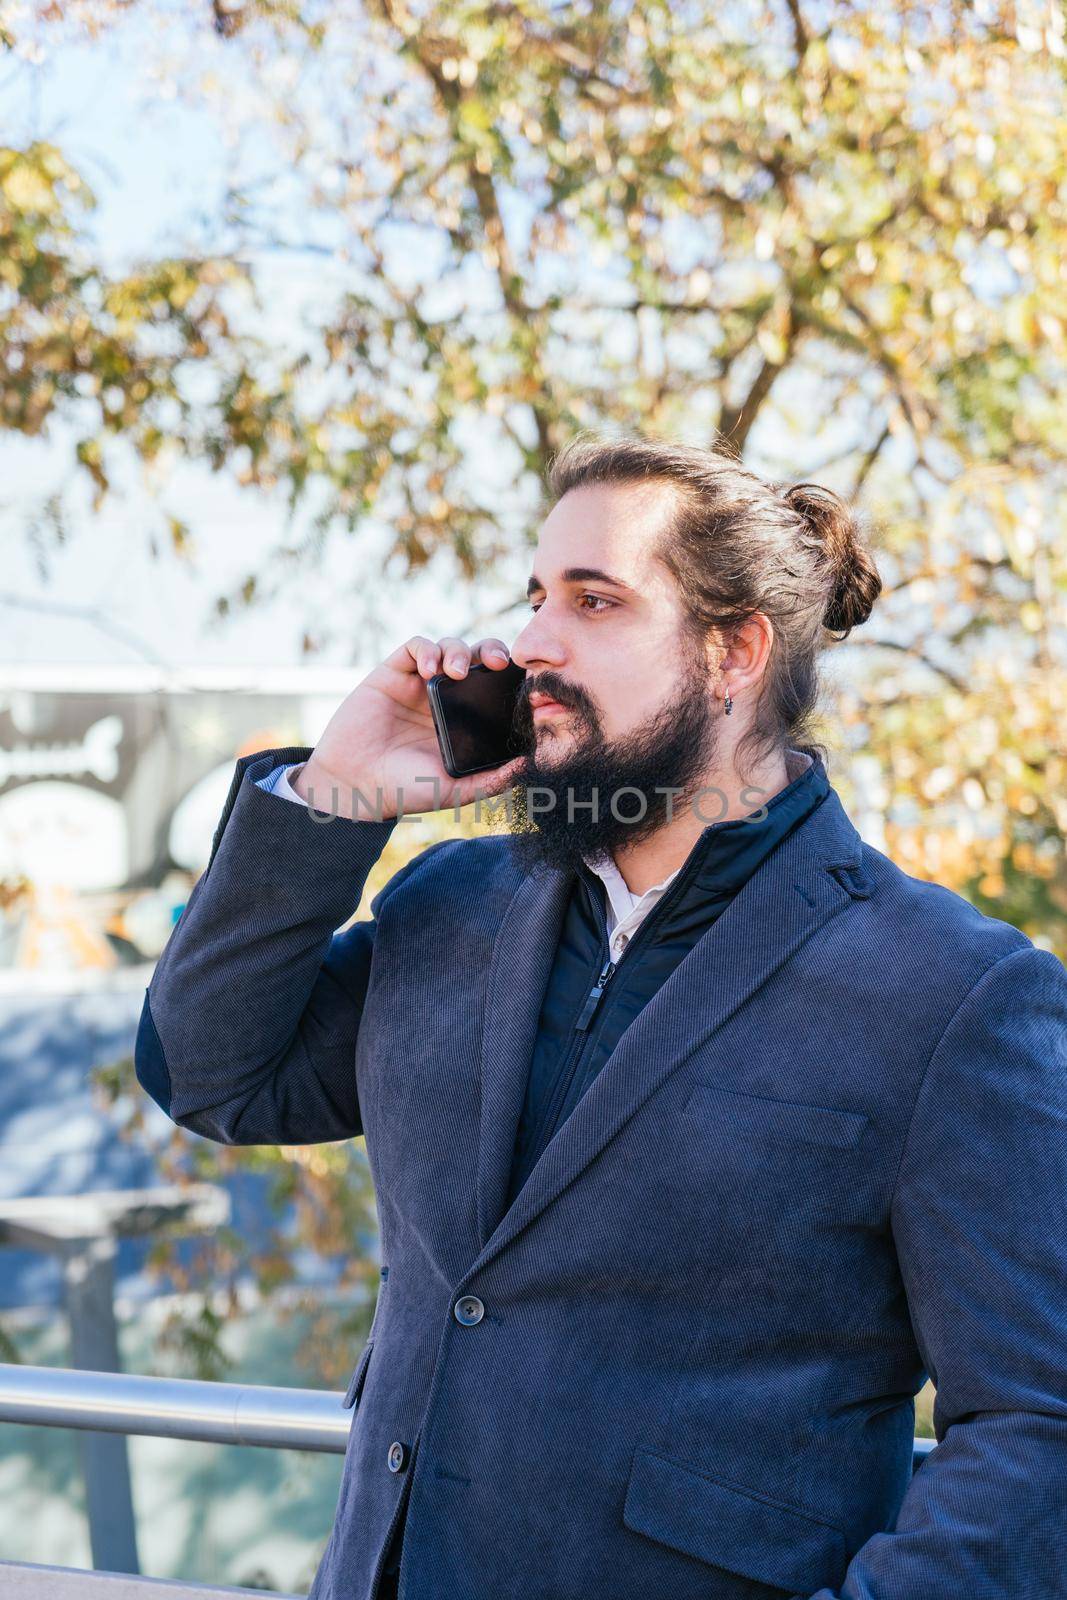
(83, 1230)
(89, 1283)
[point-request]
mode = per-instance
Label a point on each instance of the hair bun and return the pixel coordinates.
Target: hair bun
(855, 583)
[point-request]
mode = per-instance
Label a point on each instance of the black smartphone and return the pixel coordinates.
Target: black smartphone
(474, 715)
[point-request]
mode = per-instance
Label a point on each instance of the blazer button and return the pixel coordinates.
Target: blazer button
(398, 1455)
(468, 1310)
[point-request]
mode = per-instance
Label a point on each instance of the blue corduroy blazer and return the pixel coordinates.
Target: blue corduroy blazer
(826, 1160)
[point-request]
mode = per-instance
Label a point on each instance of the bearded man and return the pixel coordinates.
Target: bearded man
(701, 1133)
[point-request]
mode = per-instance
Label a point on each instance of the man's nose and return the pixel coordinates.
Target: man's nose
(536, 646)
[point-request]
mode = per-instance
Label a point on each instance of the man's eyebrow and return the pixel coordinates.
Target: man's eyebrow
(581, 575)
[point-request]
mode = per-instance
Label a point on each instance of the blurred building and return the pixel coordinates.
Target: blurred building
(111, 785)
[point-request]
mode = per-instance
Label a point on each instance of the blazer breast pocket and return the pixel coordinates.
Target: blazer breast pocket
(766, 1129)
(772, 1186)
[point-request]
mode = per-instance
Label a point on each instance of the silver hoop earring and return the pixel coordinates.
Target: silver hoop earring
(729, 704)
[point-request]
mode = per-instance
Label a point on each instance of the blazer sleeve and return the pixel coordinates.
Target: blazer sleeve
(979, 1217)
(248, 1028)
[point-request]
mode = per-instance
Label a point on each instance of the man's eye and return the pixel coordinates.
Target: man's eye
(601, 602)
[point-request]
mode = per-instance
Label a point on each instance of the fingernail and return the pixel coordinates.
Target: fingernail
(498, 655)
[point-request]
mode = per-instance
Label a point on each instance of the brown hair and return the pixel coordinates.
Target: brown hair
(738, 544)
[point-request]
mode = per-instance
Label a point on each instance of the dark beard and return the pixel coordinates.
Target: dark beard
(672, 749)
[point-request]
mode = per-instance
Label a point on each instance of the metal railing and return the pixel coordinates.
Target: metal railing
(166, 1408)
(175, 1408)
(171, 1408)
(22, 1580)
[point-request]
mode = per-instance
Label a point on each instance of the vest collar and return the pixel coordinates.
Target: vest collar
(726, 852)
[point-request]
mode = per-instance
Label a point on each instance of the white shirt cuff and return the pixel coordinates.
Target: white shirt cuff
(277, 782)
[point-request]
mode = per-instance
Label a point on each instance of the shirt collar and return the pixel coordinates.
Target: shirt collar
(622, 898)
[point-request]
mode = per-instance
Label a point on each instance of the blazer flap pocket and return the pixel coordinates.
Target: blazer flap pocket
(738, 1529)
(787, 1120)
(355, 1383)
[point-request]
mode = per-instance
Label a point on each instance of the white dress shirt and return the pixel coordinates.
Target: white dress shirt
(625, 910)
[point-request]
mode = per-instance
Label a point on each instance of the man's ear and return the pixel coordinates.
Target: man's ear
(746, 654)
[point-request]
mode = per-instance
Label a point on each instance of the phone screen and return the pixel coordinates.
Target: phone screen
(476, 713)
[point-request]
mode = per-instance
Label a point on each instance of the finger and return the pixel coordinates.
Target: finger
(492, 653)
(417, 654)
(456, 656)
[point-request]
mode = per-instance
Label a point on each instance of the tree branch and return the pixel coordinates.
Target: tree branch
(916, 654)
(736, 422)
(430, 52)
(869, 460)
(801, 38)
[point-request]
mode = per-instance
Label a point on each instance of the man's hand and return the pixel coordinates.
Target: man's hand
(382, 738)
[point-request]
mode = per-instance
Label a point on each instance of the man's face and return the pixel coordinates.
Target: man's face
(632, 694)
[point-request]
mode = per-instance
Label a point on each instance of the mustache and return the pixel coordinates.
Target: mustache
(563, 698)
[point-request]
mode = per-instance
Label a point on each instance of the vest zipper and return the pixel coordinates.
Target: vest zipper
(648, 921)
(565, 1076)
(562, 1084)
(604, 977)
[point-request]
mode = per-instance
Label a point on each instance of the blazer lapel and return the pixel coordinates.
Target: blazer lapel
(812, 874)
(519, 968)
